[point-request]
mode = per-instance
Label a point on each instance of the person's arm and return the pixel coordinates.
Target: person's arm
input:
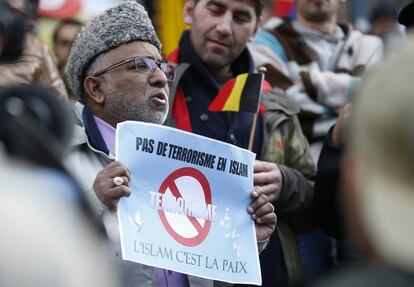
(327, 206)
(334, 88)
(330, 89)
(293, 199)
(298, 170)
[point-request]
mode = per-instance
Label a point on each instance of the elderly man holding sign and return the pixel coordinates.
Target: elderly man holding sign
(116, 68)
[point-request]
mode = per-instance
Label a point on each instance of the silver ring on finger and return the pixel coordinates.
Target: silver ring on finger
(117, 181)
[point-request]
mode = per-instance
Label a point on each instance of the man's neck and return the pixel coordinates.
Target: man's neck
(222, 75)
(97, 111)
(324, 27)
(221, 72)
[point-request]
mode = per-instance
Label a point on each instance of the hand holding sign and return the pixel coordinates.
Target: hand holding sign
(268, 179)
(105, 189)
(262, 212)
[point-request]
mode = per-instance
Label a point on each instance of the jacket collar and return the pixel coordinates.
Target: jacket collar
(95, 138)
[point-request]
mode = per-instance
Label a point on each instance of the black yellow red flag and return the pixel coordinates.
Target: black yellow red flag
(239, 94)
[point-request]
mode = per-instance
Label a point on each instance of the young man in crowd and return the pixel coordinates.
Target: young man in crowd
(210, 53)
(63, 37)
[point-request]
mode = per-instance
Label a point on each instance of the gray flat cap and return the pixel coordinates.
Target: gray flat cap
(116, 26)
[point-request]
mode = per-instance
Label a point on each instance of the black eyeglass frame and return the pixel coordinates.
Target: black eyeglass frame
(123, 62)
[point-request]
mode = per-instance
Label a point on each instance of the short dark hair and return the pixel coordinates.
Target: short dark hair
(64, 23)
(258, 6)
(267, 4)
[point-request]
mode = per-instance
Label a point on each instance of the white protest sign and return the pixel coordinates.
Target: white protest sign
(188, 208)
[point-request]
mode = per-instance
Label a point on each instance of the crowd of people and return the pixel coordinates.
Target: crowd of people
(332, 185)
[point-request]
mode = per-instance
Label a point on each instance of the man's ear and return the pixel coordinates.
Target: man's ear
(93, 88)
(188, 11)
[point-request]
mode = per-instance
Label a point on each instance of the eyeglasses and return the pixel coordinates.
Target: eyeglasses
(144, 65)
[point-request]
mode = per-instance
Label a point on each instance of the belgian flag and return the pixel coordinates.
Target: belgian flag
(239, 94)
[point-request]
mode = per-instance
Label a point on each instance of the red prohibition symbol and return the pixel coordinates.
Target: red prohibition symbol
(170, 183)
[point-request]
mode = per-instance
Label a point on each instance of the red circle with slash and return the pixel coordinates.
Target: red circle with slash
(170, 184)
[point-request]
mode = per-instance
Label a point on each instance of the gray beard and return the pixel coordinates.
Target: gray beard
(122, 109)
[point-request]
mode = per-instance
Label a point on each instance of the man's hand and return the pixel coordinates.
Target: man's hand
(267, 179)
(263, 214)
(107, 192)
